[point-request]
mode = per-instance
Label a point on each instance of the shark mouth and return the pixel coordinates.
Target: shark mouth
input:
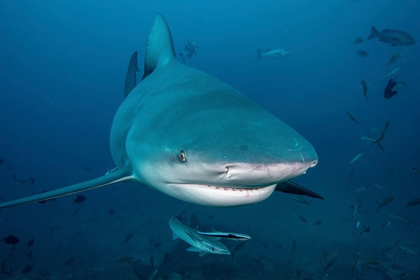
(210, 195)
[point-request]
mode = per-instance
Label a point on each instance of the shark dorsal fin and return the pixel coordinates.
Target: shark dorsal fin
(160, 48)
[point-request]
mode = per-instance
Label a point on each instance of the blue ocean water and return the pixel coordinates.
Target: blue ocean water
(62, 71)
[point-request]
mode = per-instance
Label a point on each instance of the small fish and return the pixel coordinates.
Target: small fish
(356, 226)
(259, 263)
(300, 199)
(111, 212)
(330, 264)
(27, 269)
(368, 139)
(11, 240)
(414, 202)
(320, 222)
(276, 53)
(24, 181)
(239, 247)
(79, 199)
(363, 53)
(387, 201)
(358, 41)
(355, 209)
(74, 213)
(364, 86)
(386, 125)
(128, 237)
(392, 72)
(398, 86)
(351, 174)
(352, 117)
(394, 58)
(31, 242)
(379, 186)
(302, 219)
(403, 218)
(357, 157)
(359, 190)
(406, 248)
(384, 226)
(365, 230)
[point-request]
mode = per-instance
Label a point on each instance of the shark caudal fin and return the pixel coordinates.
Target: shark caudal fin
(160, 48)
(111, 178)
(374, 33)
(131, 77)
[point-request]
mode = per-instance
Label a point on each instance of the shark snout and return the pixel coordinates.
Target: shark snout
(265, 174)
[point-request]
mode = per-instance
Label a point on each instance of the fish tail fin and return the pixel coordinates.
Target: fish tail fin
(374, 33)
(120, 175)
(259, 54)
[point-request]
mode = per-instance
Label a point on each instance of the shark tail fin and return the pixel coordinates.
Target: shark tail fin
(259, 54)
(374, 33)
(119, 175)
(160, 48)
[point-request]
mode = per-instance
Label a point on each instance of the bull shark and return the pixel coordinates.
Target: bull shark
(193, 137)
(199, 243)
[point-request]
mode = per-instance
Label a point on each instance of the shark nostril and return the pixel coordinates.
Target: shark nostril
(315, 162)
(227, 171)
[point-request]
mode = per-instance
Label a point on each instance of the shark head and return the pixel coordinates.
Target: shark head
(197, 139)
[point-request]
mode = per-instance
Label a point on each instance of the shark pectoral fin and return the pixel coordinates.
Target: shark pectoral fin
(174, 236)
(293, 188)
(119, 175)
(202, 253)
(193, 249)
(160, 48)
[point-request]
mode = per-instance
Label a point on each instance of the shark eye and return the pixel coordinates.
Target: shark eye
(182, 157)
(212, 248)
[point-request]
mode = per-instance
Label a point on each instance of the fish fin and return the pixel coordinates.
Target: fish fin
(131, 78)
(293, 188)
(193, 249)
(119, 175)
(160, 48)
(374, 33)
(259, 54)
(202, 253)
(174, 236)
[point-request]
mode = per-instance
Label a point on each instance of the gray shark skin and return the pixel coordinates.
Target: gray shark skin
(195, 138)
